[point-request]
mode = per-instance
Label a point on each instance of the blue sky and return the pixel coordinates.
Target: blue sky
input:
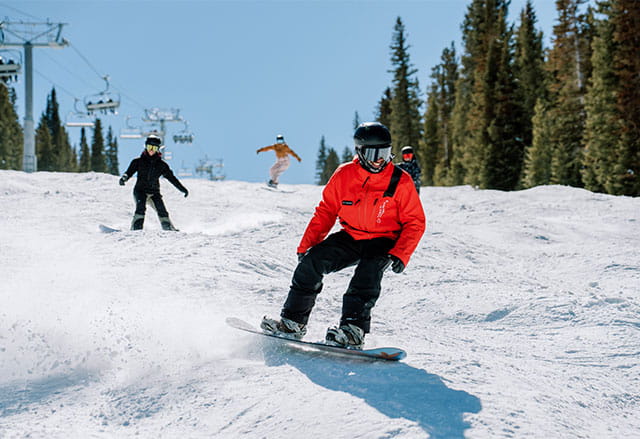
(240, 72)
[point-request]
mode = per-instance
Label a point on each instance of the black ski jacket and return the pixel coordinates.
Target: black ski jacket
(150, 169)
(413, 168)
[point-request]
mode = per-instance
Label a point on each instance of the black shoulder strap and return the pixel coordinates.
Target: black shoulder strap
(393, 183)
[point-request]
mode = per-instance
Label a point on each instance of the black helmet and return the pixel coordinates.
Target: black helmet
(373, 142)
(153, 139)
(279, 138)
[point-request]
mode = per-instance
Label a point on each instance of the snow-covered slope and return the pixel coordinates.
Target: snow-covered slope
(520, 313)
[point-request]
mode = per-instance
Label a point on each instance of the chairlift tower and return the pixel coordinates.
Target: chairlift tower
(28, 36)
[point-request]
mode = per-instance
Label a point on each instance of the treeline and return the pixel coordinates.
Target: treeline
(53, 149)
(507, 113)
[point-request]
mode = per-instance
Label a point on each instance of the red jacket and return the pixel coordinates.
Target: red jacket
(355, 196)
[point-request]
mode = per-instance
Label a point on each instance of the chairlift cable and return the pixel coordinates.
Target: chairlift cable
(20, 12)
(57, 86)
(71, 72)
(100, 75)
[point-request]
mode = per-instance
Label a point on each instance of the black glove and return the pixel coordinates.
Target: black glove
(396, 264)
(185, 192)
(123, 180)
(300, 256)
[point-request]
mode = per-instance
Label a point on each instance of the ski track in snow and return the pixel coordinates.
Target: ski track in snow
(519, 312)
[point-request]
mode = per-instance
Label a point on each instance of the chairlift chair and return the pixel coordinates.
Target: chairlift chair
(184, 136)
(78, 118)
(105, 102)
(10, 65)
(130, 132)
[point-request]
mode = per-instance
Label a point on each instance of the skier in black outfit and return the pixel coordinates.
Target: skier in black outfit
(150, 167)
(410, 164)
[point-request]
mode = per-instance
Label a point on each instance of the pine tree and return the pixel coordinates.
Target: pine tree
(321, 162)
(492, 155)
(437, 149)
(626, 171)
(98, 163)
(84, 164)
(347, 155)
(529, 69)
(602, 121)
(331, 164)
(356, 121)
(538, 156)
(111, 155)
(566, 89)
(429, 156)
(383, 110)
(62, 150)
(406, 126)
(44, 146)
(11, 137)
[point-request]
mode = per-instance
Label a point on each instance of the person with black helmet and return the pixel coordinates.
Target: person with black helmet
(282, 151)
(382, 223)
(410, 164)
(150, 167)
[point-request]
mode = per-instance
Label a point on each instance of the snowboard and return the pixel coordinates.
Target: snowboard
(390, 354)
(107, 229)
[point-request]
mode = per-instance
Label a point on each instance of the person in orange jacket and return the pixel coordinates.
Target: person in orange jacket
(282, 151)
(382, 223)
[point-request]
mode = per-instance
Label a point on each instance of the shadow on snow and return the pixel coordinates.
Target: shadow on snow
(396, 390)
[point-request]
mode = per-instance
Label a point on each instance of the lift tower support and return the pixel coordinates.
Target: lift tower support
(28, 36)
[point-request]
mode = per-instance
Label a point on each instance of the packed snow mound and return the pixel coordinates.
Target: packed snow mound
(519, 311)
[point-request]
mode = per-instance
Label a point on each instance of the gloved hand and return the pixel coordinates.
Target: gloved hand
(185, 192)
(123, 180)
(396, 264)
(300, 256)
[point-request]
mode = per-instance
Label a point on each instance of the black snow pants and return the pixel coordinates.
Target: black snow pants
(335, 253)
(141, 196)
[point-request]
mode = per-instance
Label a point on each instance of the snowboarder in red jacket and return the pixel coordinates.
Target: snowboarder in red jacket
(382, 223)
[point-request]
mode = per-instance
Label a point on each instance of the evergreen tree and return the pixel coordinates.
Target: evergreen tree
(529, 69)
(538, 157)
(62, 151)
(430, 157)
(347, 154)
(406, 127)
(492, 155)
(331, 164)
(437, 144)
(44, 146)
(471, 54)
(602, 120)
(84, 164)
(111, 155)
(98, 162)
(11, 137)
(356, 121)
(321, 162)
(626, 171)
(566, 89)
(383, 110)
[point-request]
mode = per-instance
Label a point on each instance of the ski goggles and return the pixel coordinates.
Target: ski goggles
(154, 148)
(407, 155)
(374, 153)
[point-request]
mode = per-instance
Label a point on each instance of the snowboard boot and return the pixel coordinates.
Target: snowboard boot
(283, 328)
(272, 184)
(138, 222)
(166, 224)
(346, 336)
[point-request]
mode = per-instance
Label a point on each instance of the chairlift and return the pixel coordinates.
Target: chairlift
(78, 118)
(130, 132)
(105, 102)
(10, 65)
(184, 136)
